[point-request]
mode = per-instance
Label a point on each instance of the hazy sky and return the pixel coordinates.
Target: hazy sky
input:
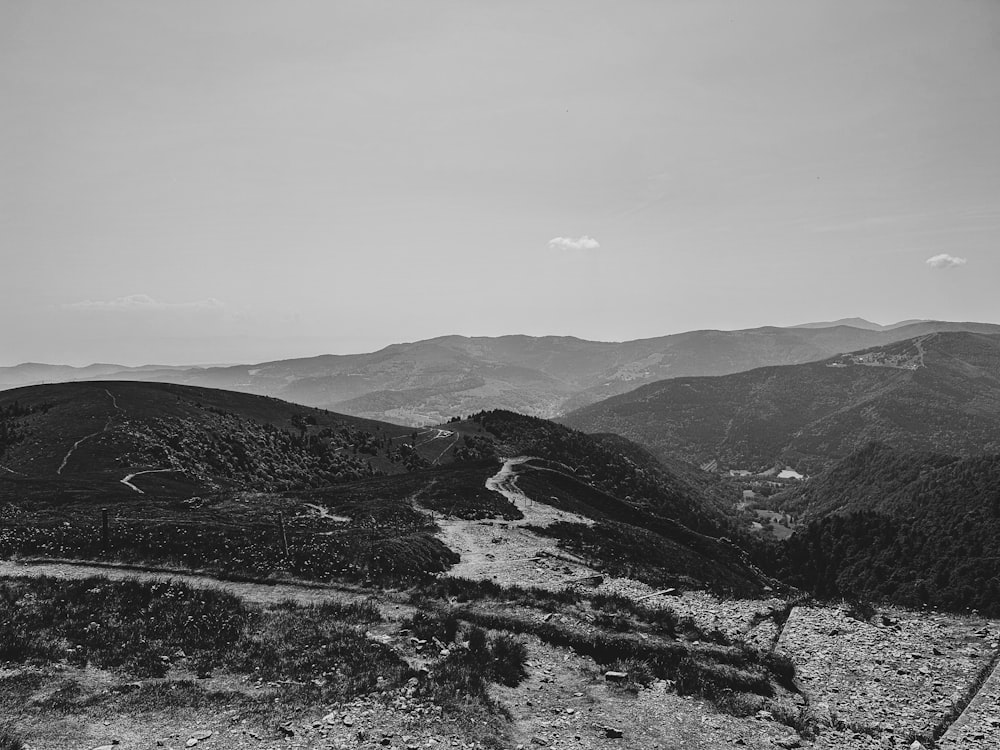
(236, 181)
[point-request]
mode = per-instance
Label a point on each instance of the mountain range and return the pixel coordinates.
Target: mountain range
(428, 382)
(937, 392)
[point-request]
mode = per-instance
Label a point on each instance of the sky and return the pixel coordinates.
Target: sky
(207, 181)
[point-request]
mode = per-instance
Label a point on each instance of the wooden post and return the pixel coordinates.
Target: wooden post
(284, 537)
(371, 548)
(105, 531)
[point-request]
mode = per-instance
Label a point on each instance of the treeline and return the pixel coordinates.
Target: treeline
(915, 529)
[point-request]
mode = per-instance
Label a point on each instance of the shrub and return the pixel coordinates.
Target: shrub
(641, 673)
(861, 610)
(741, 704)
(617, 622)
(509, 659)
(429, 625)
(467, 671)
(477, 641)
(9, 739)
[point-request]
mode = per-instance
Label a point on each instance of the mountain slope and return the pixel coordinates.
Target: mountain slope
(667, 526)
(199, 475)
(180, 440)
(939, 392)
(428, 382)
(917, 528)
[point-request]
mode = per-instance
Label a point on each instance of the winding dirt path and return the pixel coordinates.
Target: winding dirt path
(78, 443)
(505, 551)
(85, 438)
(259, 593)
(127, 481)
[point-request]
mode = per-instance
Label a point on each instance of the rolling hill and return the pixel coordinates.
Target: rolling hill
(182, 440)
(198, 476)
(428, 382)
(939, 392)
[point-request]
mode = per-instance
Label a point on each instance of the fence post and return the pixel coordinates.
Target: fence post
(105, 531)
(284, 537)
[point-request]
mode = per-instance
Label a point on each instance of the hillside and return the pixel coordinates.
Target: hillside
(189, 472)
(939, 392)
(86, 438)
(428, 382)
(921, 529)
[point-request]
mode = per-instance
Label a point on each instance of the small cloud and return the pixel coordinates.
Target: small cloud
(143, 303)
(569, 243)
(946, 261)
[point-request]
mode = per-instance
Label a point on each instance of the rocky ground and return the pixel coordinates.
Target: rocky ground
(899, 676)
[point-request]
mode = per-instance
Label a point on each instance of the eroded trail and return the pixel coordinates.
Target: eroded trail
(505, 551)
(127, 481)
(77, 444)
(85, 438)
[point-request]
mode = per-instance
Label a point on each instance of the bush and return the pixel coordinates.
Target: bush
(861, 610)
(467, 671)
(477, 641)
(334, 661)
(509, 659)
(9, 739)
(430, 625)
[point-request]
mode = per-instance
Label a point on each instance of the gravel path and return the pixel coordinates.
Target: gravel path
(258, 593)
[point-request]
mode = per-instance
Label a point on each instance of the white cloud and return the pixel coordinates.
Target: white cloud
(144, 303)
(569, 243)
(946, 261)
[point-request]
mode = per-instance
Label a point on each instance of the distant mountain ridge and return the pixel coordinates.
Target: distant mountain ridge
(938, 392)
(428, 382)
(861, 323)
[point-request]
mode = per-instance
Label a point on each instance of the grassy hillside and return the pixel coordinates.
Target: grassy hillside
(85, 438)
(665, 526)
(198, 477)
(940, 392)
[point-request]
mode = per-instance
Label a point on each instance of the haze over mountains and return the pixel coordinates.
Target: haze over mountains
(428, 382)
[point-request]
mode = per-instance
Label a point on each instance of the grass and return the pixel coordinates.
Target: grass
(610, 611)
(128, 625)
(149, 629)
(402, 549)
(384, 539)
(467, 590)
(290, 656)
